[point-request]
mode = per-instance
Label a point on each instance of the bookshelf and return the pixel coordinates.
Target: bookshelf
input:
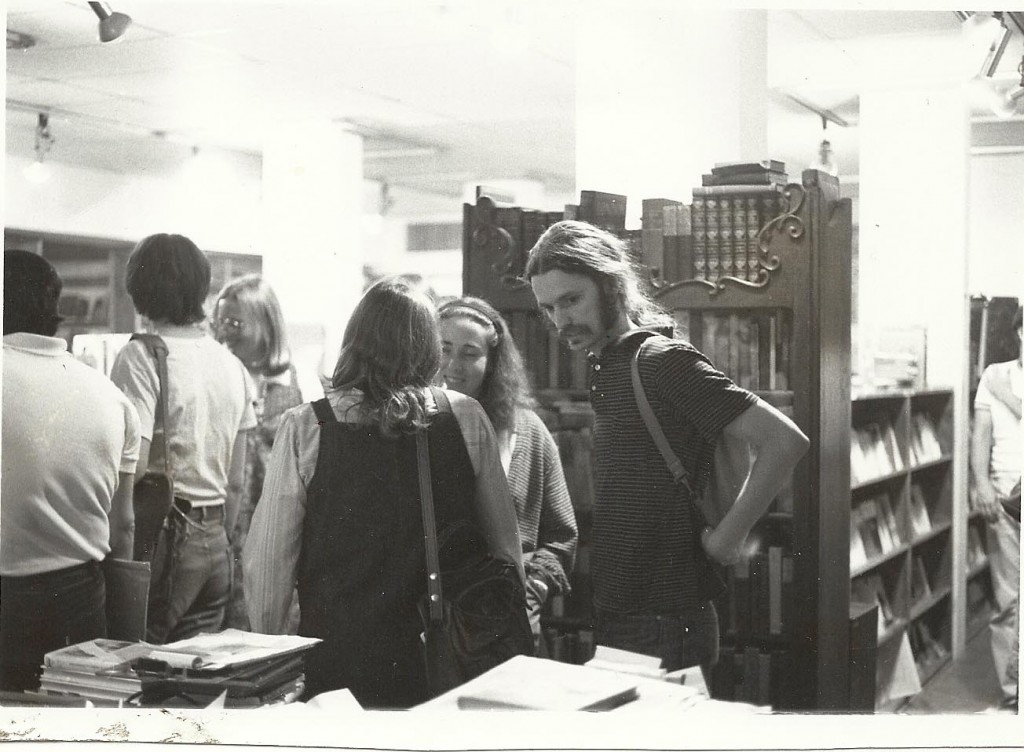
(901, 527)
(94, 299)
(779, 326)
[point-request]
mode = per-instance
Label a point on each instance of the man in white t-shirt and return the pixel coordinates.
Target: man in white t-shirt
(70, 444)
(996, 464)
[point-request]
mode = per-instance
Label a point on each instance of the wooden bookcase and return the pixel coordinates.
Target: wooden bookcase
(94, 299)
(799, 298)
(901, 529)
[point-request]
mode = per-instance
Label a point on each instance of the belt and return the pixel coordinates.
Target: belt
(209, 513)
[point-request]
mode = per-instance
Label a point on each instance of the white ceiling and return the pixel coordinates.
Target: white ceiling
(445, 92)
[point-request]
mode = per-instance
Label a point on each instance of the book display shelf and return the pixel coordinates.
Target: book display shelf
(94, 299)
(901, 529)
(760, 282)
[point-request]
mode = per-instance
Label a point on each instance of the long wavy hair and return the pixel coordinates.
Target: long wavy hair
(576, 247)
(505, 386)
(261, 310)
(391, 351)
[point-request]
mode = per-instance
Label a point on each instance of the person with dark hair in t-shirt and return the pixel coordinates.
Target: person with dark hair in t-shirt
(652, 584)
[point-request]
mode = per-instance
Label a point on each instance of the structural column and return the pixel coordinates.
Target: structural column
(914, 154)
(661, 95)
(312, 210)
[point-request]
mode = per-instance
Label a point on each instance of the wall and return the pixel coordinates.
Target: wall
(219, 217)
(996, 225)
(222, 215)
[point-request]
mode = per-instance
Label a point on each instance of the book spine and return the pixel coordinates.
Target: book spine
(726, 222)
(713, 254)
(775, 590)
(706, 191)
(698, 222)
(735, 371)
(748, 236)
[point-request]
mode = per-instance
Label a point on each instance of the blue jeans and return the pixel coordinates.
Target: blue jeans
(191, 576)
(680, 640)
(44, 612)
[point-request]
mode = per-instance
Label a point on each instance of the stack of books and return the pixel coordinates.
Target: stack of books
(97, 670)
(735, 201)
(232, 669)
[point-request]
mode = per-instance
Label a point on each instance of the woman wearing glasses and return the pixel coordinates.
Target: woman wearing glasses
(247, 318)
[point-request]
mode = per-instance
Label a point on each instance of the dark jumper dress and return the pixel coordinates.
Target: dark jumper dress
(362, 571)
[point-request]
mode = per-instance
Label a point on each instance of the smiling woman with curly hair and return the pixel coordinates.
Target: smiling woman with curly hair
(480, 359)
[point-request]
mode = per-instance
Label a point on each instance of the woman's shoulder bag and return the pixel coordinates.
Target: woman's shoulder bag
(474, 613)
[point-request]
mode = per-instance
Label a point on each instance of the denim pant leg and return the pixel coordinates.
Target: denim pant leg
(192, 595)
(680, 640)
(44, 612)
(1004, 558)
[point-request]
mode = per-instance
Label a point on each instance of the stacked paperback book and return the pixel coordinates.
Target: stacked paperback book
(232, 669)
(98, 670)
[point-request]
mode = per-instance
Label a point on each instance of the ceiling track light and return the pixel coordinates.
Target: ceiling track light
(39, 172)
(1011, 102)
(996, 49)
(112, 25)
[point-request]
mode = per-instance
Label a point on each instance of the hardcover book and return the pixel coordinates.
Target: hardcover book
(741, 168)
(525, 683)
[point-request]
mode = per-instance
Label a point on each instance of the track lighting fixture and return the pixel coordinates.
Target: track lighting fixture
(826, 161)
(1010, 102)
(1000, 38)
(112, 25)
(39, 172)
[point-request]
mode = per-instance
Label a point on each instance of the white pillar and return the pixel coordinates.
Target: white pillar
(659, 99)
(312, 255)
(914, 153)
(914, 145)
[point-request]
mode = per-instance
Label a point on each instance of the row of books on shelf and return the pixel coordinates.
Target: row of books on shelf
(926, 648)
(751, 674)
(871, 589)
(920, 585)
(758, 604)
(751, 348)
(874, 531)
(717, 234)
(874, 451)
(924, 440)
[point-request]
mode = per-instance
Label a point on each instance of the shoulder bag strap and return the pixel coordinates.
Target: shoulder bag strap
(675, 465)
(429, 526)
(323, 411)
(158, 349)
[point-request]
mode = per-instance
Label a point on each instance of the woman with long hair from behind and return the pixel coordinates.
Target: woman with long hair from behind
(480, 359)
(340, 511)
(247, 318)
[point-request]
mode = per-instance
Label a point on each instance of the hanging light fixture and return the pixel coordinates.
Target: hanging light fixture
(112, 25)
(826, 160)
(39, 172)
(1000, 37)
(1010, 102)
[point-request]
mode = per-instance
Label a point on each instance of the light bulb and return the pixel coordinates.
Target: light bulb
(38, 172)
(826, 161)
(1008, 103)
